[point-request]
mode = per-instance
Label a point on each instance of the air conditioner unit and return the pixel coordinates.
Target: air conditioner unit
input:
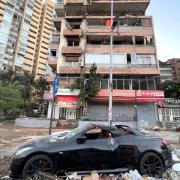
(81, 64)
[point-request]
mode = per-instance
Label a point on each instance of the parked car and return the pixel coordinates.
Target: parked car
(93, 147)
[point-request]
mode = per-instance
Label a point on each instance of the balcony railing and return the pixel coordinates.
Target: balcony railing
(125, 65)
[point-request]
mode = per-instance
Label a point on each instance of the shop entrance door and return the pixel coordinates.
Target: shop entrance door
(62, 113)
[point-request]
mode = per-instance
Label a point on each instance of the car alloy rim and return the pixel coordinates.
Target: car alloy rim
(153, 166)
(40, 165)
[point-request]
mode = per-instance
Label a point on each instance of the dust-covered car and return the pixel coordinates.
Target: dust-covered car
(93, 147)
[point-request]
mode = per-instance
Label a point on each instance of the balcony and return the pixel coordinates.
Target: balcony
(73, 32)
(128, 70)
(59, 9)
(74, 2)
(64, 69)
(138, 49)
(130, 25)
(54, 45)
(52, 61)
(120, 6)
(72, 50)
(57, 22)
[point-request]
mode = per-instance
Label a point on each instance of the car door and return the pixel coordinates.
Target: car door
(95, 153)
(126, 150)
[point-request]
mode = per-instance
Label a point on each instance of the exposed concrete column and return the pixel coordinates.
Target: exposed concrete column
(134, 40)
(63, 42)
(56, 112)
(144, 40)
(83, 39)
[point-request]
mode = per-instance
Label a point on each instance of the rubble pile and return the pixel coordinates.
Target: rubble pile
(4, 165)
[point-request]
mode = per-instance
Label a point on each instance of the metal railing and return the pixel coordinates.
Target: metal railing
(125, 65)
(116, 117)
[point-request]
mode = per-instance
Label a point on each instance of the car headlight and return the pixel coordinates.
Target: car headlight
(18, 152)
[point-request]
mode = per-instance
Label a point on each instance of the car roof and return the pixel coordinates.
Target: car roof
(113, 128)
(106, 127)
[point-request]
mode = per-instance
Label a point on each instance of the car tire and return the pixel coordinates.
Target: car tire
(36, 164)
(151, 165)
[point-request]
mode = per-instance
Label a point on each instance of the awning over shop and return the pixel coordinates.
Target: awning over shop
(67, 101)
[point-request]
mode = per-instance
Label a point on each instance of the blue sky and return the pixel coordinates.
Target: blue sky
(166, 16)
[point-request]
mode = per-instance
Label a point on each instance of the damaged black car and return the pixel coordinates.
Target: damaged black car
(92, 147)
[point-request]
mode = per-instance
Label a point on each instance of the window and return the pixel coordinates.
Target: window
(120, 84)
(128, 58)
(151, 84)
(135, 84)
(98, 133)
(143, 84)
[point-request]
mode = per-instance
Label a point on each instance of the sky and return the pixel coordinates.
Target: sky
(166, 18)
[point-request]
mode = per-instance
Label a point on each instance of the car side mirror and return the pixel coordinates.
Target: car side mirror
(81, 139)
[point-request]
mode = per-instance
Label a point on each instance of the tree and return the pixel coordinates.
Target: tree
(39, 86)
(171, 89)
(10, 99)
(91, 86)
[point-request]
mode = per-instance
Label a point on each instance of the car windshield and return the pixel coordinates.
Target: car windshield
(74, 132)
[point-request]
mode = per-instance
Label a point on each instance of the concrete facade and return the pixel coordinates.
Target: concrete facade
(25, 28)
(166, 71)
(82, 38)
(175, 64)
(170, 70)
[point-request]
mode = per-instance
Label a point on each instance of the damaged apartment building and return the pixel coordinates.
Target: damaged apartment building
(82, 38)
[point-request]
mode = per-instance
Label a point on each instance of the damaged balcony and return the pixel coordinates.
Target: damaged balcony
(73, 46)
(57, 22)
(75, 7)
(120, 6)
(121, 44)
(128, 25)
(73, 32)
(52, 62)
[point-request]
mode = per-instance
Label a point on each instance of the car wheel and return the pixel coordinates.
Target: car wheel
(151, 165)
(37, 163)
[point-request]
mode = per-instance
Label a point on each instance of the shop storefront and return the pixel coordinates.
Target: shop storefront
(66, 105)
(128, 105)
(169, 111)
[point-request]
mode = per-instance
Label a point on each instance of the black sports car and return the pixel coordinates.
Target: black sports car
(92, 147)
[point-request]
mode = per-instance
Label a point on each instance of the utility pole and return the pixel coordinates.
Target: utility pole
(110, 68)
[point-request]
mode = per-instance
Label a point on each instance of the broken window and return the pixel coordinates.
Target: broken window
(149, 40)
(53, 53)
(143, 84)
(72, 58)
(74, 23)
(139, 40)
(123, 40)
(135, 84)
(128, 58)
(73, 41)
(120, 84)
(151, 84)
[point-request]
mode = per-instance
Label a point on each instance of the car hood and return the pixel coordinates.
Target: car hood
(43, 142)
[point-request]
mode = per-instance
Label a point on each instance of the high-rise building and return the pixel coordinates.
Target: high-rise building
(82, 38)
(25, 27)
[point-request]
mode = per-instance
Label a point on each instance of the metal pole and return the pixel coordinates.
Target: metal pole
(110, 68)
(51, 119)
